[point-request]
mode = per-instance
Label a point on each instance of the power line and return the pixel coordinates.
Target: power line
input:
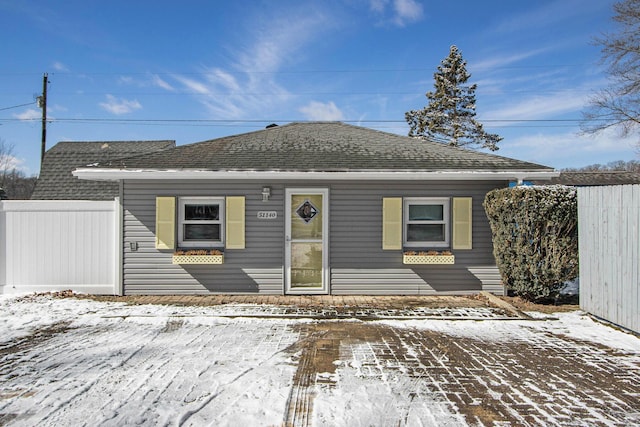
(261, 123)
(429, 69)
(272, 120)
(17, 106)
(343, 93)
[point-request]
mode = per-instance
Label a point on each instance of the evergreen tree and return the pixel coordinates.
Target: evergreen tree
(450, 115)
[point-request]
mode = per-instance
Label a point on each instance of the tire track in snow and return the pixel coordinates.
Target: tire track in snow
(97, 359)
(450, 375)
(152, 348)
(155, 372)
(230, 394)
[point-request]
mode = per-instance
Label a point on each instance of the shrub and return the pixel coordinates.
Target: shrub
(535, 238)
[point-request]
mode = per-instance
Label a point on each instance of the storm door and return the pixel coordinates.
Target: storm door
(306, 257)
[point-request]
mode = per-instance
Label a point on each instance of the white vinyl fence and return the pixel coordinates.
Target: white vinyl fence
(59, 245)
(609, 241)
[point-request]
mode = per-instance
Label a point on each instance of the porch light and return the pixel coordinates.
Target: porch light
(266, 193)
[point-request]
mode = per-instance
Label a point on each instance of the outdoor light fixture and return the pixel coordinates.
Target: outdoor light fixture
(266, 193)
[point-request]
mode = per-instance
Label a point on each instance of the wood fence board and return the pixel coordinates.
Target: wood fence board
(609, 242)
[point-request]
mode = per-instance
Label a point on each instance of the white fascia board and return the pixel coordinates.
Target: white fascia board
(96, 174)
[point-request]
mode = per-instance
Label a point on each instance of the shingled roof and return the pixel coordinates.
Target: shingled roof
(597, 178)
(57, 183)
(321, 147)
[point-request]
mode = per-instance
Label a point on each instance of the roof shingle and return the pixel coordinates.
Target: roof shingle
(594, 178)
(57, 183)
(321, 147)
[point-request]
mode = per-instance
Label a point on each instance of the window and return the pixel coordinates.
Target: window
(426, 222)
(201, 222)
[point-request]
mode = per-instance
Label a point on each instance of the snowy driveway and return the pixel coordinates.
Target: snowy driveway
(80, 362)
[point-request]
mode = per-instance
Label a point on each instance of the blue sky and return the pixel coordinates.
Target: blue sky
(196, 70)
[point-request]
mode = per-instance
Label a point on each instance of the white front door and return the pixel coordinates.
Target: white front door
(306, 249)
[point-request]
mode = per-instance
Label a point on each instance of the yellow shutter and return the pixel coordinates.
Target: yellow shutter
(392, 223)
(462, 223)
(165, 222)
(235, 223)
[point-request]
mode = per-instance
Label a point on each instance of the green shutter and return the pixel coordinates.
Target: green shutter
(392, 223)
(165, 222)
(462, 222)
(235, 222)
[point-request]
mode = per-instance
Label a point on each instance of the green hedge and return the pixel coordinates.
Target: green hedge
(535, 238)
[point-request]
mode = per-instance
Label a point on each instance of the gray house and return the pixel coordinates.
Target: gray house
(309, 208)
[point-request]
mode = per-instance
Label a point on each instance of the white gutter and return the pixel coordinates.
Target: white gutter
(97, 174)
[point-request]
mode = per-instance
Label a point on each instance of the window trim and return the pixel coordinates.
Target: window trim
(446, 220)
(182, 201)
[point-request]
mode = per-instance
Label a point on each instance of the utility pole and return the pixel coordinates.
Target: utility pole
(42, 103)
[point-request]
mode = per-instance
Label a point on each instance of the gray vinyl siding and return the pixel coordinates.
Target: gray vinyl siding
(256, 269)
(358, 265)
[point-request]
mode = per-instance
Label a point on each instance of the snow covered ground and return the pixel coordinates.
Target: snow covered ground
(80, 362)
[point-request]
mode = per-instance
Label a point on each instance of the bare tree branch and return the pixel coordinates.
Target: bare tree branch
(618, 106)
(13, 182)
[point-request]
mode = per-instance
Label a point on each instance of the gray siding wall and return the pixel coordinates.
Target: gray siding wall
(358, 263)
(256, 269)
(360, 266)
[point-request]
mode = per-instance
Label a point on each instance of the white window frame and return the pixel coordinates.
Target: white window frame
(182, 201)
(446, 220)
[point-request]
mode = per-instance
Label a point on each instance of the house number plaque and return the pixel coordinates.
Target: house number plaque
(267, 214)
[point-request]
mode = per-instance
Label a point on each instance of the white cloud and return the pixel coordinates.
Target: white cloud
(156, 80)
(538, 107)
(400, 12)
(120, 106)
(10, 163)
(249, 86)
(220, 77)
(607, 140)
(125, 80)
(322, 111)
(280, 39)
(29, 114)
(407, 11)
(149, 80)
(544, 81)
(504, 60)
(570, 149)
(59, 66)
(57, 107)
(547, 14)
(193, 85)
(378, 5)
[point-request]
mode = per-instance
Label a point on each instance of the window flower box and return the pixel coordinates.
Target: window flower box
(198, 256)
(428, 257)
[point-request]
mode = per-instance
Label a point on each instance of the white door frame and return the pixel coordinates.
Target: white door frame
(325, 240)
